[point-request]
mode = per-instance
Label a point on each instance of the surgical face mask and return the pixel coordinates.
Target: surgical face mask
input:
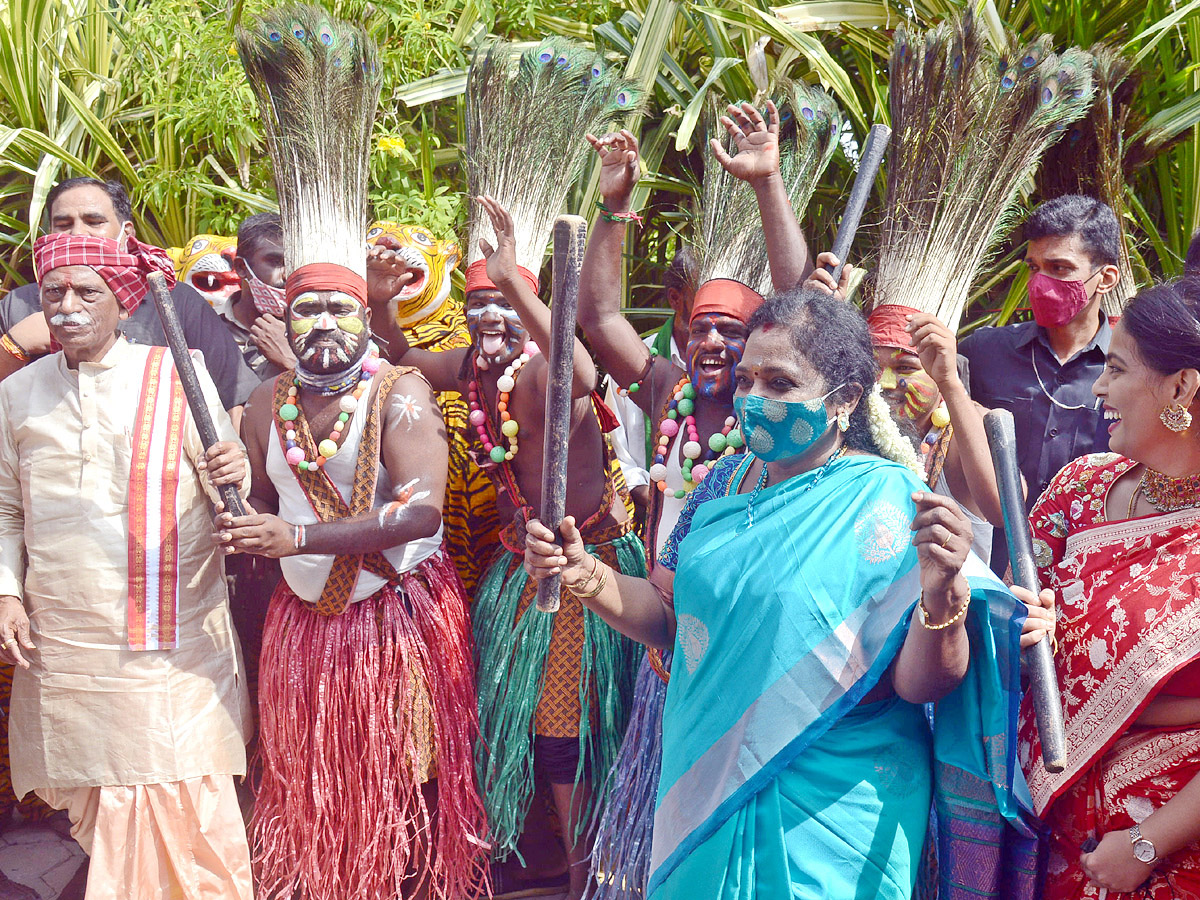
(1056, 302)
(266, 298)
(781, 429)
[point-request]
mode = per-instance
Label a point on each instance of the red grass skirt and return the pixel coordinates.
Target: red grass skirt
(357, 710)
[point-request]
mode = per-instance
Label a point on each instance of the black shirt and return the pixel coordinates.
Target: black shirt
(203, 328)
(1056, 415)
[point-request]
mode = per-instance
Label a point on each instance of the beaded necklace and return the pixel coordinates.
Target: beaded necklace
(695, 469)
(1167, 494)
(508, 425)
(762, 481)
(290, 411)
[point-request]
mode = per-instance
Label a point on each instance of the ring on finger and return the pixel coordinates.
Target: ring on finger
(9, 643)
(946, 539)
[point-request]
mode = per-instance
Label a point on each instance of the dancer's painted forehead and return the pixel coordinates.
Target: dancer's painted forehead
(475, 312)
(337, 299)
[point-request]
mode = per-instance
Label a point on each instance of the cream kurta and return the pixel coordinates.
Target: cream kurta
(90, 711)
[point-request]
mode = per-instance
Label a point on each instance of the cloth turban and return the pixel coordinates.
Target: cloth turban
(888, 325)
(726, 297)
(123, 264)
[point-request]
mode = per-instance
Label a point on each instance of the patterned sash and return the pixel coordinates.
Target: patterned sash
(328, 504)
(152, 614)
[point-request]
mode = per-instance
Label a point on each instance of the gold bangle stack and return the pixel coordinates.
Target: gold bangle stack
(13, 349)
(925, 615)
(581, 591)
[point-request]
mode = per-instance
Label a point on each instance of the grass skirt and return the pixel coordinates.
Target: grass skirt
(359, 710)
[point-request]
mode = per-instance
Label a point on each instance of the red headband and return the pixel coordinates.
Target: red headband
(477, 279)
(325, 277)
(726, 297)
(123, 270)
(888, 325)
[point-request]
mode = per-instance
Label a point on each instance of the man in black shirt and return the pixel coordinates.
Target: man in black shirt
(90, 206)
(1042, 371)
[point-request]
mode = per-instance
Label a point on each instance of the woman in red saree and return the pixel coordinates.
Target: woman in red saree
(1117, 537)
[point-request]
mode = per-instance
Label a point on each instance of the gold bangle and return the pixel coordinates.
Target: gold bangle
(582, 585)
(13, 349)
(925, 615)
(603, 583)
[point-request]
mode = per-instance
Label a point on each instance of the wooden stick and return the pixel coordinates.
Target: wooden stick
(570, 240)
(1039, 659)
(191, 384)
(868, 168)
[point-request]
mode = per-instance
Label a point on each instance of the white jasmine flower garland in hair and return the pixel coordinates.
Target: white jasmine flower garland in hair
(886, 433)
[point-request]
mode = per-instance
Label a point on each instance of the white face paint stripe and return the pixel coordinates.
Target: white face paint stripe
(478, 311)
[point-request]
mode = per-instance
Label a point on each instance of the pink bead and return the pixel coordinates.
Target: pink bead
(371, 364)
(532, 349)
(699, 472)
(295, 456)
(669, 428)
(477, 417)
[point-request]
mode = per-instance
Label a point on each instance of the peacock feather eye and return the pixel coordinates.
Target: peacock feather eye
(298, 31)
(808, 113)
(957, 63)
(274, 36)
(337, 62)
(326, 35)
(597, 71)
(564, 61)
(1029, 61)
(624, 98)
(1007, 82)
(545, 56)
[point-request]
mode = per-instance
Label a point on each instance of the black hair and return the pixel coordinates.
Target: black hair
(684, 270)
(1094, 222)
(257, 228)
(1191, 262)
(115, 190)
(1164, 322)
(832, 335)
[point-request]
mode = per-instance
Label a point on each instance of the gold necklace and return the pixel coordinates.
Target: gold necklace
(1137, 489)
(1167, 494)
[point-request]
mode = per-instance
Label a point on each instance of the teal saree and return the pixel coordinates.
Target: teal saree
(775, 781)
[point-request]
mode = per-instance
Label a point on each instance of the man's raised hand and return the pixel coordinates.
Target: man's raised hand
(501, 259)
(757, 142)
(619, 167)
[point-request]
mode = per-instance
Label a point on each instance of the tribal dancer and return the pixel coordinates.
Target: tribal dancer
(408, 282)
(368, 711)
(554, 689)
(694, 407)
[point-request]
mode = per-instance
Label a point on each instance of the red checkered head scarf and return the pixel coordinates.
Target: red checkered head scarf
(123, 270)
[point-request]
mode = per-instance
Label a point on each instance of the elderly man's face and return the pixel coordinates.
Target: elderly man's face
(87, 209)
(82, 311)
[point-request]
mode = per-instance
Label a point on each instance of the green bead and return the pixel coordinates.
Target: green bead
(654, 351)
(302, 465)
(685, 407)
(497, 454)
(717, 442)
(634, 388)
(734, 439)
(343, 417)
(672, 414)
(289, 412)
(689, 391)
(680, 494)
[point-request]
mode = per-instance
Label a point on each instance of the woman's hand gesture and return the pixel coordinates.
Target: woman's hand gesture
(547, 554)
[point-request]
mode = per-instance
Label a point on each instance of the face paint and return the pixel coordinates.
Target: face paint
(496, 333)
(327, 335)
(781, 429)
(712, 356)
(908, 389)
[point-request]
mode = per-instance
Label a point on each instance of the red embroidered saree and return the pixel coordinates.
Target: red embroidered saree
(1128, 621)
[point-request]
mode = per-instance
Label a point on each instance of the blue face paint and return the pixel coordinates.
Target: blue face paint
(781, 429)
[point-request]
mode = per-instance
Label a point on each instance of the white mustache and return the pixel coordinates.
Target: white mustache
(75, 318)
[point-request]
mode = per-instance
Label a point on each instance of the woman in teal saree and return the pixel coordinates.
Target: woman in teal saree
(815, 596)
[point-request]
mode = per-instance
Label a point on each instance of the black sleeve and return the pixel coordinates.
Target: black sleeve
(206, 332)
(18, 304)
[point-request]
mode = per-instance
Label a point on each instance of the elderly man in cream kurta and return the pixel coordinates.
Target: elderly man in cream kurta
(128, 708)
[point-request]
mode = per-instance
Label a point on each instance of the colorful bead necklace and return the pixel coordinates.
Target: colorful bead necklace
(290, 411)
(1167, 494)
(695, 469)
(508, 425)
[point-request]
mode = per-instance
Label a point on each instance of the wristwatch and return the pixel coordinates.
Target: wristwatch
(1143, 848)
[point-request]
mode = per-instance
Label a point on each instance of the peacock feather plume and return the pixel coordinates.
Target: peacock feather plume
(525, 127)
(969, 127)
(731, 236)
(317, 83)
(1100, 151)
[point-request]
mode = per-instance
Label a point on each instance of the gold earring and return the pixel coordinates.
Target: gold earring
(843, 420)
(1176, 417)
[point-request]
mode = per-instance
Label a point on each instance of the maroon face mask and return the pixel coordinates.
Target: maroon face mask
(1056, 302)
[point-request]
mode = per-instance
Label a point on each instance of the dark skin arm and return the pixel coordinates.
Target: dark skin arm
(757, 163)
(419, 481)
(535, 316)
(616, 343)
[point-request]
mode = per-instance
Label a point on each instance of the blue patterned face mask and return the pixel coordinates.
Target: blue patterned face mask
(781, 429)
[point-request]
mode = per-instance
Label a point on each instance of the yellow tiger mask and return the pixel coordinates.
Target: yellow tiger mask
(431, 261)
(206, 264)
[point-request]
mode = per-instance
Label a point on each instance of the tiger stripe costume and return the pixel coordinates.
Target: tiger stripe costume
(432, 320)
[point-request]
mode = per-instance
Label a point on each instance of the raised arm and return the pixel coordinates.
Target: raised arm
(757, 163)
(535, 316)
(969, 454)
(616, 343)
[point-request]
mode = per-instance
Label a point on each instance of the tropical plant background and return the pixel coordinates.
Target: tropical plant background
(151, 92)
